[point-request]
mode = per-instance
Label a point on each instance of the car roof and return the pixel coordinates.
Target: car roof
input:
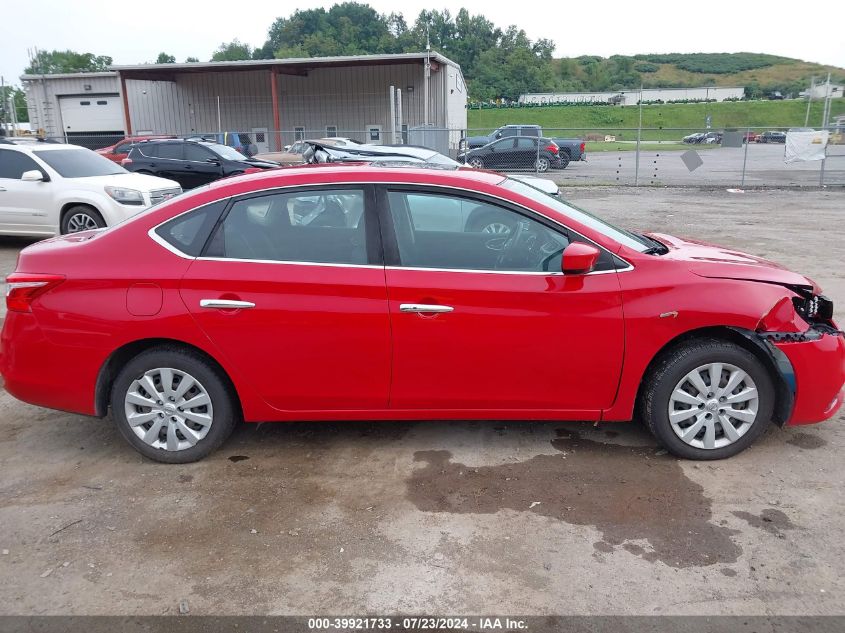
(364, 173)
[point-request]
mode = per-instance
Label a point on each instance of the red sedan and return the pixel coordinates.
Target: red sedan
(377, 293)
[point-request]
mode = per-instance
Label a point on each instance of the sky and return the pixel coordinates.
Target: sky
(135, 33)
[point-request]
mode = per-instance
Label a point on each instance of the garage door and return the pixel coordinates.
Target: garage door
(92, 120)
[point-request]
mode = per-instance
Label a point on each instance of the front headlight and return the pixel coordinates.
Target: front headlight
(125, 196)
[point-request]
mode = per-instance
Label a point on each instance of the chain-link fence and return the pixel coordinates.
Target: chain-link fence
(738, 157)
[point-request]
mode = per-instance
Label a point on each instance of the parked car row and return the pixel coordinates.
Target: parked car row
(748, 137)
(703, 138)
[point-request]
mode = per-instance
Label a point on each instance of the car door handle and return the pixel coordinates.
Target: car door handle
(226, 304)
(424, 307)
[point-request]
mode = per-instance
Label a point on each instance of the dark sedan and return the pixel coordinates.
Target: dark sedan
(515, 152)
(188, 162)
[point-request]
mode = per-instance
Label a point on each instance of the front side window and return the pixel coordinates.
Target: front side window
(509, 131)
(629, 239)
(14, 164)
(325, 226)
(444, 231)
(197, 153)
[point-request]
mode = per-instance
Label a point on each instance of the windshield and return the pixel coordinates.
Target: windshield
(79, 163)
(627, 238)
(224, 151)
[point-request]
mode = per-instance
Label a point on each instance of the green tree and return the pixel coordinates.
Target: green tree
(18, 98)
(54, 62)
(191, 60)
(164, 58)
(232, 51)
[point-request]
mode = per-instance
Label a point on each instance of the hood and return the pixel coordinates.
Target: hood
(261, 164)
(718, 262)
(139, 182)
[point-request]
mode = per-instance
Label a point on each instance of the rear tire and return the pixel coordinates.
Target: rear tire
(727, 417)
(564, 160)
(541, 165)
(81, 218)
(191, 412)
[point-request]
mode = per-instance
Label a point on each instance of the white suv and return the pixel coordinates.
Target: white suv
(50, 188)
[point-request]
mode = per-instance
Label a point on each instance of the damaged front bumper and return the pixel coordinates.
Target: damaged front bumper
(817, 360)
(811, 366)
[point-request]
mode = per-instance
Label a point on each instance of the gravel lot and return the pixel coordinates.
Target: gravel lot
(445, 517)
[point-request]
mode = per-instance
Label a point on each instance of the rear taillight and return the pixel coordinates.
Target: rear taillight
(583, 145)
(126, 161)
(552, 148)
(23, 288)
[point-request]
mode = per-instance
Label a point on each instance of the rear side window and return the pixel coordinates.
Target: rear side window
(324, 226)
(530, 131)
(169, 150)
(188, 232)
(14, 164)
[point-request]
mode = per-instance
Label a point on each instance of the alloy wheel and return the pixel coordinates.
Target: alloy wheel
(542, 165)
(168, 409)
(81, 222)
(713, 406)
(476, 163)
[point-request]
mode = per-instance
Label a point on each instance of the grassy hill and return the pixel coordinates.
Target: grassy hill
(759, 72)
(689, 116)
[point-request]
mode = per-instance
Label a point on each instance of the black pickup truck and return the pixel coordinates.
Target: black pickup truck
(570, 148)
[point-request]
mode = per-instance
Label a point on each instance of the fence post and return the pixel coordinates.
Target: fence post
(639, 136)
(745, 155)
(537, 159)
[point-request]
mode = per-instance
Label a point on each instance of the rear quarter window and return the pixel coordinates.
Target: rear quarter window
(189, 232)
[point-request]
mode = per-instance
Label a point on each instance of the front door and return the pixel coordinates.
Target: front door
(291, 290)
(201, 166)
(25, 207)
(484, 323)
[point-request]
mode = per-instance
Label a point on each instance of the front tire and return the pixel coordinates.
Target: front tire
(81, 218)
(173, 406)
(476, 163)
(708, 399)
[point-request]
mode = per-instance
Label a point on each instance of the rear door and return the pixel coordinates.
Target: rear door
(485, 323)
(291, 290)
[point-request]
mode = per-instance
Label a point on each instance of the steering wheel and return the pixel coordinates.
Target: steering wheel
(519, 238)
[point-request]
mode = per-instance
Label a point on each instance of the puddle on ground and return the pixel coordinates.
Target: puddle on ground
(627, 493)
(806, 440)
(771, 520)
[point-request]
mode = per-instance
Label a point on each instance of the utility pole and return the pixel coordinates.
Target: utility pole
(809, 101)
(426, 75)
(826, 109)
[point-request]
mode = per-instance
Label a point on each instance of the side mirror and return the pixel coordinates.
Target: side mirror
(498, 135)
(33, 175)
(579, 258)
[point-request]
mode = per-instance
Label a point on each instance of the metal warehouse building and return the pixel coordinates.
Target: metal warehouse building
(275, 101)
